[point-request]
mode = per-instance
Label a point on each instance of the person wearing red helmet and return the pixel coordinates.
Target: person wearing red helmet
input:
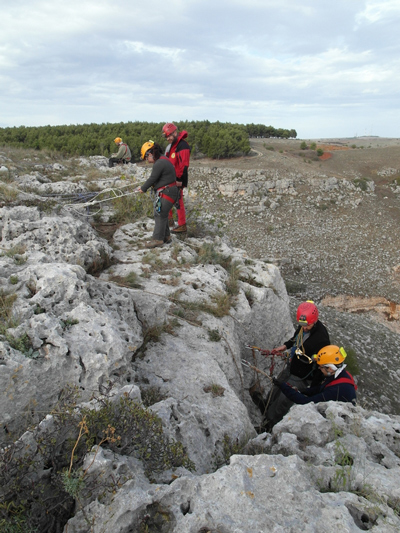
(178, 152)
(301, 371)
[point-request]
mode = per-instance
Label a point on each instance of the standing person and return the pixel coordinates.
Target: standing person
(338, 384)
(163, 182)
(122, 156)
(301, 370)
(178, 152)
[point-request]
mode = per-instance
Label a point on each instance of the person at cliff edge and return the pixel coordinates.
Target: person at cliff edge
(301, 370)
(338, 384)
(163, 181)
(178, 152)
(123, 155)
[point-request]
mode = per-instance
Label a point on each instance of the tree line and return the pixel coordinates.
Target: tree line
(213, 139)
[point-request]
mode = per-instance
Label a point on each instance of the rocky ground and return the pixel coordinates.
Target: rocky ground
(137, 328)
(331, 226)
(328, 240)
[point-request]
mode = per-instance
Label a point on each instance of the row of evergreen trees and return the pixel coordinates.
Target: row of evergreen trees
(213, 139)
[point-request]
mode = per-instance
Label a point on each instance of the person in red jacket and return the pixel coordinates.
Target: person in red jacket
(178, 152)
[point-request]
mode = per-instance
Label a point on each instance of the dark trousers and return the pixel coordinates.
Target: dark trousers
(161, 228)
(275, 407)
(113, 161)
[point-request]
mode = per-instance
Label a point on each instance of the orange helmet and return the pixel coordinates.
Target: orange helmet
(145, 148)
(330, 355)
(168, 128)
(118, 140)
(307, 313)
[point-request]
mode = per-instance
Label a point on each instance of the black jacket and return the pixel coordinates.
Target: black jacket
(318, 338)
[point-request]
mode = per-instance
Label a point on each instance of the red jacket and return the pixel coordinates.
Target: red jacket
(179, 155)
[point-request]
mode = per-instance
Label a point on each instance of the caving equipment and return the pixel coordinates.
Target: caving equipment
(118, 140)
(168, 129)
(145, 148)
(331, 356)
(267, 353)
(307, 313)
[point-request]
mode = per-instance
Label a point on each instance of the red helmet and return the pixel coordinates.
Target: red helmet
(168, 128)
(307, 313)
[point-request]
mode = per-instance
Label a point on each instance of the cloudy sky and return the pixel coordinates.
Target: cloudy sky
(323, 68)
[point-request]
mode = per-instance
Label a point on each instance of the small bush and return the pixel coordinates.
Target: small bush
(214, 335)
(232, 283)
(351, 361)
(361, 183)
(215, 389)
(207, 254)
(32, 503)
(7, 194)
(130, 280)
(131, 208)
(320, 152)
(6, 317)
(303, 146)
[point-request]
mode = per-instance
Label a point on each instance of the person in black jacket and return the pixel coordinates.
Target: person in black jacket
(301, 370)
(166, 193)
(338, 384)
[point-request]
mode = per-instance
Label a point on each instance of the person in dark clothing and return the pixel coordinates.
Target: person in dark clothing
(338, 384)
(163, 182)
(301, 370)
(178, 152)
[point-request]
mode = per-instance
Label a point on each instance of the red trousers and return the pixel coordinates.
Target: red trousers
(180, 210)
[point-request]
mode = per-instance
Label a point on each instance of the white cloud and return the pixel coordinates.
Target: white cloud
(250, 61)
(377, 10)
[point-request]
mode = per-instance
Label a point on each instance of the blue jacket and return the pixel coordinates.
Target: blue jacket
(340, 389)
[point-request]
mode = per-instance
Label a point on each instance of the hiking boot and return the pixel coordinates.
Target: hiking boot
(180, 229)
(154, 244)
(171, 222)
(168, 239)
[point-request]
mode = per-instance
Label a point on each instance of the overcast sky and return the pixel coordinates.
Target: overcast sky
(323, 68)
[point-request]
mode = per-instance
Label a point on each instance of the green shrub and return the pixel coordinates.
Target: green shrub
(131, 208)
(215, 389)
(320, 152)
(207, 254)
(303, 146)
(214, 335)
(6, 317)
(351, 361)
(45, 503)
(361, 183)
(130, 280)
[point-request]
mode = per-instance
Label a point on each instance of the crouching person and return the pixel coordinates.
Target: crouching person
(338, 384)
(123, 156)
(166, 193)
